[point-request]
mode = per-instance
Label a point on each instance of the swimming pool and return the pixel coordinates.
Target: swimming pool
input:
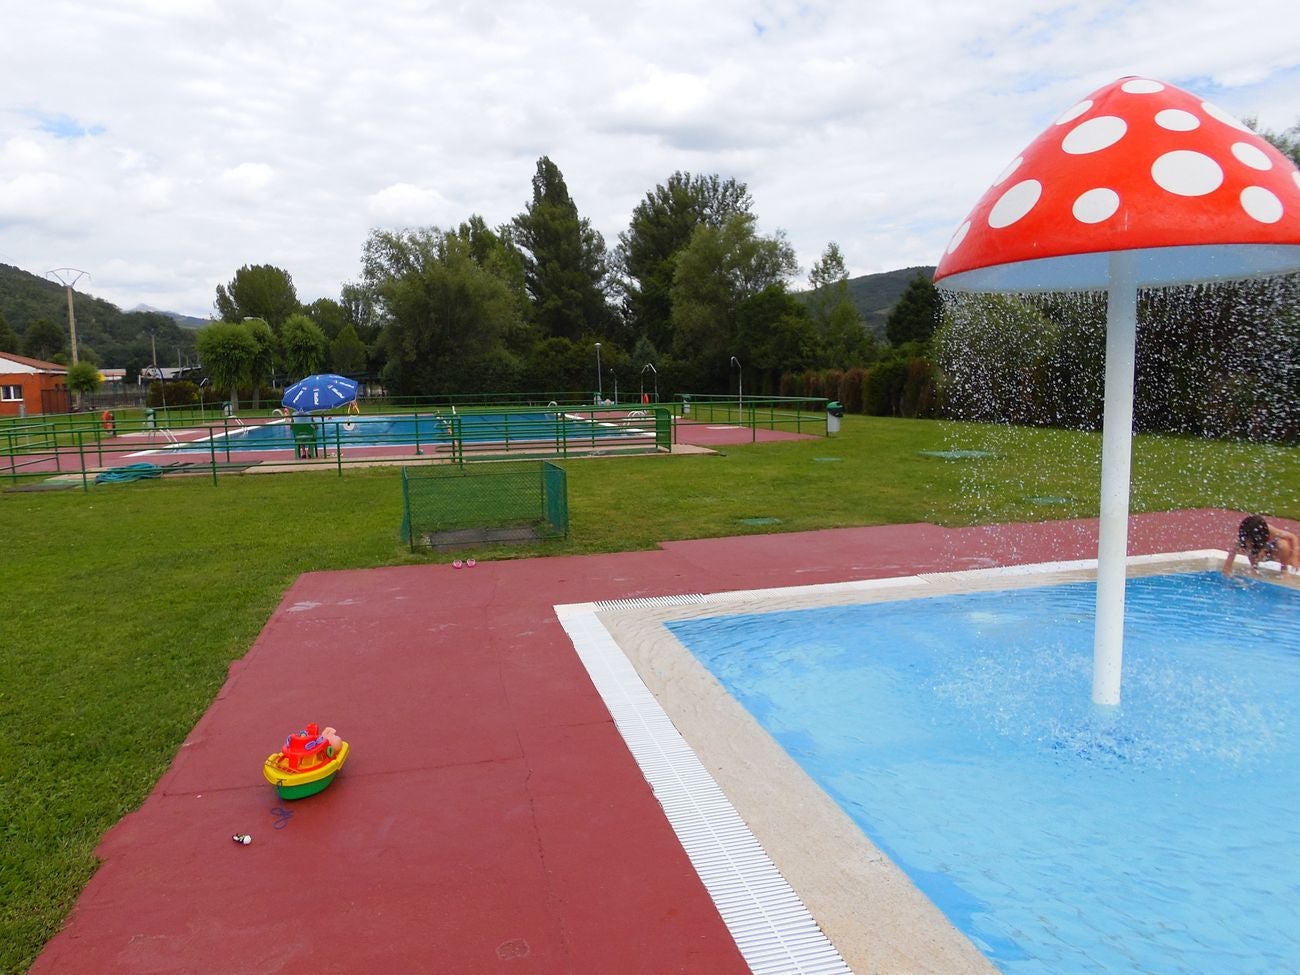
(957, 733)
(425, 429)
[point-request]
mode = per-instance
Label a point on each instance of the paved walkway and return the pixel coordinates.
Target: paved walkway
(490, 817)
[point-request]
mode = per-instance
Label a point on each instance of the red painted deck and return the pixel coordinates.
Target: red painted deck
(489, 816)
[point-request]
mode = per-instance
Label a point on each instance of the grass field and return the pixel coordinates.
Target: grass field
(124, 605)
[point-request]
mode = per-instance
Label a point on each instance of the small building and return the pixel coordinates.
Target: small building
(113, 380)
(29, 386)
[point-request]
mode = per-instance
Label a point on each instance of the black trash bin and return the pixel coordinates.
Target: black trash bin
(834, 413)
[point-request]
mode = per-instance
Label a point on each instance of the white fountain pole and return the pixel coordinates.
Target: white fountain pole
(1116, 461)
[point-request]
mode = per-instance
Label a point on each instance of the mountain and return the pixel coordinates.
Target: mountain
(876, 294)
(106, 335)
(184, 321)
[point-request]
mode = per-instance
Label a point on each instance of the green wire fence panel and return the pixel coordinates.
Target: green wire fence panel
(448, 506)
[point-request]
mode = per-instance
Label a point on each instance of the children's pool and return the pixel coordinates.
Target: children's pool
(958, 733)
(408, 430)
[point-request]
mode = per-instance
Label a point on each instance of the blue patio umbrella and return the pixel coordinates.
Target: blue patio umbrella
(324, 391)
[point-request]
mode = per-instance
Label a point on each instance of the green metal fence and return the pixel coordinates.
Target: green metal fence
(448, 506)
(795, 414)
(85, 445)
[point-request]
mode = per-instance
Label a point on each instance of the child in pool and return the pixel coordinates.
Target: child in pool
(1261, 542)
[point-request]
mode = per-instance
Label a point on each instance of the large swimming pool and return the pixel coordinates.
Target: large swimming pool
(425, 429)
(957, 732)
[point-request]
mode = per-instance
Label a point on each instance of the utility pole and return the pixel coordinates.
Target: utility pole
(68, 276)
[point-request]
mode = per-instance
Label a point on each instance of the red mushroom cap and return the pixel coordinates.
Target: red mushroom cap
(1141, 166)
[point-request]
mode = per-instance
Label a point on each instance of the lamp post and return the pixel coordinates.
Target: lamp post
(656, 375)
(599, 388)
(740, 387)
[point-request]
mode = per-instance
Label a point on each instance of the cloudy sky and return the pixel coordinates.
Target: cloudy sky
(161, 144)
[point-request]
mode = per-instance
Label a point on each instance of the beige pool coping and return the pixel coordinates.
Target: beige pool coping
(867, 907)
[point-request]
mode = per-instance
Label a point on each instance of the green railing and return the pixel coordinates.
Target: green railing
(796, 414)
(81, 444)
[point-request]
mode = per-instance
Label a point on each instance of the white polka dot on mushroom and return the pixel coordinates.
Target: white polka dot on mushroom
(1094, 135)
(1075, 112)
(1176, 120)
(1296, 177)
(1227, 118)
(958, 236)
(1096, 205)
(1011, 168)
(1141, 86)
(1252, 156)
(1260, 204)
(1015, 203)
(1187, 173)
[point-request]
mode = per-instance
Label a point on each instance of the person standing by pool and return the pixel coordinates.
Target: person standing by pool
(1259, 541)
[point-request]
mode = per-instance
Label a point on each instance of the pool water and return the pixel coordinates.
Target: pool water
(393, 431)
(957, 731)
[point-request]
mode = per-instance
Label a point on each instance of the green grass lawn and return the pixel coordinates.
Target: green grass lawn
(124, 605)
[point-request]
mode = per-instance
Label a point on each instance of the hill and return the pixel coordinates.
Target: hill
(876, 294)
(126, 339)
(106, 335)
(184, 321)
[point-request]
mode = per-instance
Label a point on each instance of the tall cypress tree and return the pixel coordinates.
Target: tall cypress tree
(916, 315)
(565, 264)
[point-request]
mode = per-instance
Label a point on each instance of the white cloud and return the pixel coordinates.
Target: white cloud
(402, 204)
(211, 134)
(247, 182)
(30, 197)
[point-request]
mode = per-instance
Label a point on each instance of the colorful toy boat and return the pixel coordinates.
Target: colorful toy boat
(307, 763)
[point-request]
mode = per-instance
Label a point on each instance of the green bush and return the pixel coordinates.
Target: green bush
(851, 384)
(178, 392)
(918, 394)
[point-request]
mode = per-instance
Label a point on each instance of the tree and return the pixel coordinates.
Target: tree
(258, 291)
(228, 351)
(845, 341)
(774, 334)
(83, 378)
(305, 346)
(359, 305)
(916, 315)
(662, 225)
(720, 268)
(329, 314)
(43, 340)
(262, 366)
(1287, 143)
(347, 353)
(564, 261)
(451, 323)
(8, 338)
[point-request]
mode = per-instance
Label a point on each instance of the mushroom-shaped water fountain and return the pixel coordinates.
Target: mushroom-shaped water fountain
(1139, 185)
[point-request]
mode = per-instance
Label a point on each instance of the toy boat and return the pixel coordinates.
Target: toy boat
(307, 763)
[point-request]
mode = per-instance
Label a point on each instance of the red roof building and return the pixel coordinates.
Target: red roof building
(29, 386)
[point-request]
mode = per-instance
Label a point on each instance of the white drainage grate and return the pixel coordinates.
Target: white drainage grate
(651, 602)
(774, 931)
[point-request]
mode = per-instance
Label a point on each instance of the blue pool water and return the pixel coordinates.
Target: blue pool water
(958, 732)
(393, 431)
